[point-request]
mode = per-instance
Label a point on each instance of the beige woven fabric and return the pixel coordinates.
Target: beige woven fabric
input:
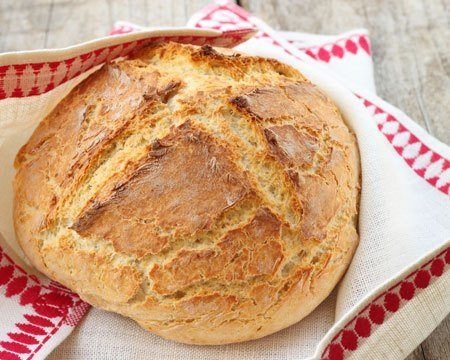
(402, 218)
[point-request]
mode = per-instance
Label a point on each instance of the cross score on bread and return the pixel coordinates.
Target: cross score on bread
(210, 196)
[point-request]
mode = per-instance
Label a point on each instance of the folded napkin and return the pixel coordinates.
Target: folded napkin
(397, 288)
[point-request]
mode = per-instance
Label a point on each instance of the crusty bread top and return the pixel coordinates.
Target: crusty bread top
(182, 184)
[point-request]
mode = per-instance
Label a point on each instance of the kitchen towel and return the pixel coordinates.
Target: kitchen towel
(397, 288)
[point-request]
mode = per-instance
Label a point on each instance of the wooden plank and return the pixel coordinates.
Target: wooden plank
(157, 13)
(26, 25)
(23, 24)
(72, 22)
(417, 354)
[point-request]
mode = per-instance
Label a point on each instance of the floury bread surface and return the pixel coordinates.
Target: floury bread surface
(212, 197)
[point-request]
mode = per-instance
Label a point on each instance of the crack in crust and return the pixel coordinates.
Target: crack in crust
(210, 196)
(184, 184)
(249, 251)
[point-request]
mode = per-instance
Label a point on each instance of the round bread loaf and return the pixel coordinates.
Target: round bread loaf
(212, 197)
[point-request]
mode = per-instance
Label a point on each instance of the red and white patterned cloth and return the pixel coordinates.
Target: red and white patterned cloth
(397, 288)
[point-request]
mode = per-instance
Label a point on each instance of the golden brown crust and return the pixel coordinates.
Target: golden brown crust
(249, 251)
(210, 196)
(290, 146)
(182, 185)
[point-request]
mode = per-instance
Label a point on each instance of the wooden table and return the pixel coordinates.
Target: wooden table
(410, 41)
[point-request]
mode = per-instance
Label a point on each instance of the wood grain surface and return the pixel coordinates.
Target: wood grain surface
(410, 41)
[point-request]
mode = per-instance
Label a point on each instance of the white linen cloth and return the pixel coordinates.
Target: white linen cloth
(397, 288)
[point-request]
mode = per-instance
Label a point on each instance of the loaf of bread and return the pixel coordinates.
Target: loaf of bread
(210, 196)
